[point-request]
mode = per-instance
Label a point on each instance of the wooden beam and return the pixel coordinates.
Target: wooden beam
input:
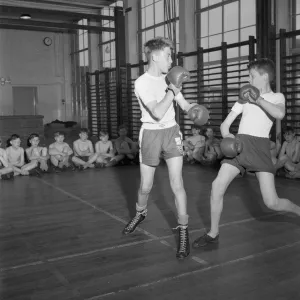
(30, 28)
(39, 11)
(54, 25)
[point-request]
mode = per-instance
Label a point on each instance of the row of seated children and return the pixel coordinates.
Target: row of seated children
(287, 156)
(202, 148)
(15, 161)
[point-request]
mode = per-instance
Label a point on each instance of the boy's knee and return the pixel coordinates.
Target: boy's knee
(271, 203)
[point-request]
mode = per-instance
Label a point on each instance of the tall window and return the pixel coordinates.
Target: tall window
(225, 21)
(80, 65)
(159, 18)
(295, 12)
(107, 39)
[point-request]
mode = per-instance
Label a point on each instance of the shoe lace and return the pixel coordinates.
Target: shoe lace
(135, 219)
(182, 237)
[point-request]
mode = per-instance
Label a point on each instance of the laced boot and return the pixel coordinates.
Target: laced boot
(135, 221)
(183, 247)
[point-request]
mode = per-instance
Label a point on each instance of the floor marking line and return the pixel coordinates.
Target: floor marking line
(78, 254)
(166, 279)
(147, 233)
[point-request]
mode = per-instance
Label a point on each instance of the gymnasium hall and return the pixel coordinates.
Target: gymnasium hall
(149, 149)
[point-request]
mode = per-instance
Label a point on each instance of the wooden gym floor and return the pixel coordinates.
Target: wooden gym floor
(60, 238)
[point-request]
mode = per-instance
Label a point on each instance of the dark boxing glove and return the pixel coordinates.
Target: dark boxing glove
(198, 114)
(248, 92)
(177, 76)
(231, 147)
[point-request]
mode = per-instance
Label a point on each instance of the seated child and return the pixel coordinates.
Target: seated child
(84, 156)
(275, 148)
(289, 155)
(104, 149)
(15, 156)
(194, 145)
(36, 153)
(127, 150)
(212, 152)
(6, 171)
(60, 152)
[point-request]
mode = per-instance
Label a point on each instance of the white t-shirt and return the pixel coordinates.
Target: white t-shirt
(149, 88)
(254, 120)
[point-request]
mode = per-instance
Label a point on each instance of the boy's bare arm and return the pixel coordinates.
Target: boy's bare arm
(53, 150)
(91, 148)
(283, 150)
(277, 111)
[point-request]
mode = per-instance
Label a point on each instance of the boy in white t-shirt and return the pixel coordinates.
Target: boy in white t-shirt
(104, 149)
(194, 145)
(253, 133)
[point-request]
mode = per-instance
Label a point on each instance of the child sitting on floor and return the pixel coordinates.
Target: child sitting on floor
(289, 155)
(60, 152)
(104, 149)
(84, 156)
(36, 153)
(212, 152)
(194, 145)
(15, 157)
(6, 171)
(126, 149)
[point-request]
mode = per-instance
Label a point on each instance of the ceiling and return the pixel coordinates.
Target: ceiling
(52, 15)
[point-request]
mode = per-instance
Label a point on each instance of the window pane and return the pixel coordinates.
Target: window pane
(212, 2)
(204, 43)
(177, 32)
(85, 40)
(81, 59)
(159, 12)
(112, 50)
(204, 24)
(149, 34)
(149, 16)
(86, 58)
(297, 6)
(105, 36)
(231, 37)
(215, 40)
(246, 32)
(160, 31)
(215, 20)
(297, 23)
(142, 3)
(80, 42)
(143, 18)
(248, 12)
(203, 3)
(231, 16)
(148, 2)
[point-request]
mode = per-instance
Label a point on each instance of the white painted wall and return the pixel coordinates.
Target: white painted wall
(28, 62)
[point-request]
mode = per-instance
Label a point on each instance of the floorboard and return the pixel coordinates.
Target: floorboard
(61, 239)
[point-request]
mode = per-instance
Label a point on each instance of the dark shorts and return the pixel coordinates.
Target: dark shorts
(255, 157)
(155, 143)
(84, 158)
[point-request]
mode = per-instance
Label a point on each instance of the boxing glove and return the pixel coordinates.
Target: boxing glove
(198, 114)
(177, 76)
(231, 147)
(248, 91)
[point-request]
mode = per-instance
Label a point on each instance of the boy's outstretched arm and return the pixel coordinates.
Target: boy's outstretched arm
(227, 123)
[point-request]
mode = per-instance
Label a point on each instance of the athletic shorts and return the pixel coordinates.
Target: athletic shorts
(84, 158)
(255, 157)
(155, 143)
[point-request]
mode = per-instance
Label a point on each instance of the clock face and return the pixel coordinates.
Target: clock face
(47, 41)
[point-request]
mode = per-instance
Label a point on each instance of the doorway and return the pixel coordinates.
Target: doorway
(24, 100)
